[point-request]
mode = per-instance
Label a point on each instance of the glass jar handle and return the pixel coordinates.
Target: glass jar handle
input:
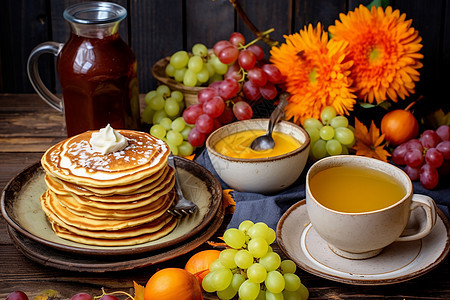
(33, 73)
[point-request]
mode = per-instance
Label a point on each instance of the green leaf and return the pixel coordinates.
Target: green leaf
(378, 3)
(385, 104)
(366, 105)
(436, 119)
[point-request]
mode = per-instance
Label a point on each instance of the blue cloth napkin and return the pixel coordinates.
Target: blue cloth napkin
(270, 208)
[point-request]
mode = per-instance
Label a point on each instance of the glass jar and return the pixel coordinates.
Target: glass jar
(96, 68)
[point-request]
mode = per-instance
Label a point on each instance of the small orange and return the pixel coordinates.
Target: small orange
(199, 263)
(173, 284)
(399, 126)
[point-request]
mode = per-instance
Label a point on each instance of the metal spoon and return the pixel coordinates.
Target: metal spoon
(266, 142)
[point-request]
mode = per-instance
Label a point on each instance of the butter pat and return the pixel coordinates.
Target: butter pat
(107, 140)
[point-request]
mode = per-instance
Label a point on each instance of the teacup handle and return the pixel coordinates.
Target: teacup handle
(33, 73)
(429, 206)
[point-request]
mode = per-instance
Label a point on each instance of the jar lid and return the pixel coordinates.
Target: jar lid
(95, 13)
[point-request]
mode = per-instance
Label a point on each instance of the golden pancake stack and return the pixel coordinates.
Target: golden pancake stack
(115, 199)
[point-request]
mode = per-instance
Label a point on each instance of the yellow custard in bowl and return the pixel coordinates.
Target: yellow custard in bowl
(258, 172)
(237, 145)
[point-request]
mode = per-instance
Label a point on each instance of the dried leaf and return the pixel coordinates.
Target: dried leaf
(227, 200)
(190, 157)
(216, 244)
(47, 294)
(369, 142)
(139, 291)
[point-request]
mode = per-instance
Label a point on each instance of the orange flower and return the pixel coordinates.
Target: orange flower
(385, 51)
(369, 143)
(316, 73)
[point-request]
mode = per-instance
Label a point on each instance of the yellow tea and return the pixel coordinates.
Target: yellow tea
(355, 189)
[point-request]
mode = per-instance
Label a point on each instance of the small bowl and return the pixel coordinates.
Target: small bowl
(260, 175)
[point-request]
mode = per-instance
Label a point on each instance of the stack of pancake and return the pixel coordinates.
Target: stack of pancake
(115, 199)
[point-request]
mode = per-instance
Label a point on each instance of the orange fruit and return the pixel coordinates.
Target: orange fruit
(173, 284)
(399, 126)
(198, 264)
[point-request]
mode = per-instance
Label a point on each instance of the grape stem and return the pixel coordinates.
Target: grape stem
(260, 37)
(113, 293)
(264, 36)
(244, 75)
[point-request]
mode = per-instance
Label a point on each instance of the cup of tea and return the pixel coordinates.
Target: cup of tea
(360, 205)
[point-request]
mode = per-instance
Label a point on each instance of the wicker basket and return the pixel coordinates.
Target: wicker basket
(190, 93)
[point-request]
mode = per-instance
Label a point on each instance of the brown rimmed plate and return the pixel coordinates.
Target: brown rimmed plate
(51, 257)
(399, 262)
(20, 205)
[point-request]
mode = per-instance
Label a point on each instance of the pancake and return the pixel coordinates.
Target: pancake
(128, 232)
(109, 199)
(135, 240)
(128, 204)
(75, 161)
(162, 188)
(111, 214)
(145, 185)
(57, 213)
(165, 184)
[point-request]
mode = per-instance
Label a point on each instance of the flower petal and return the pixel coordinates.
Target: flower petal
(397, 46)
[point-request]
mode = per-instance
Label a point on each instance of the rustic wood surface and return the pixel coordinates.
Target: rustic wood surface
(28, 127)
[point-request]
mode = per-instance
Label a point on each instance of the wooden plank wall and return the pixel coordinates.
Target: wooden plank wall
(157, 28)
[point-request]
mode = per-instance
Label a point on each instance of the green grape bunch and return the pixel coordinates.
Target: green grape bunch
(198, 68)
(331, 135)
(249, 268)
(163, 111)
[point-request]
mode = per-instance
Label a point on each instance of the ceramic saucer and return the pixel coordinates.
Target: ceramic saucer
(398, 262)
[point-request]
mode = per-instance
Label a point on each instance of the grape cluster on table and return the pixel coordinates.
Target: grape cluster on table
(250, 269)
(86, 296)
(247, 79)
(19, 295)
(198, 68)
(427, 157)
(331, 135)
(247, 65)
(163, 112)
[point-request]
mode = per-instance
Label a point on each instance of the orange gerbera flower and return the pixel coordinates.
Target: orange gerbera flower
(385, 51)
(369, 142)
(316, 73)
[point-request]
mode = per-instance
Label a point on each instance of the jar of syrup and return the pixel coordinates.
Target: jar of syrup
(96, 68)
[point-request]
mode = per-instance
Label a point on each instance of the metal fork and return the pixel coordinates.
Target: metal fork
(183, 206)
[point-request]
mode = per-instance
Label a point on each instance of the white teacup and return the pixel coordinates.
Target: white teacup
(364, 234)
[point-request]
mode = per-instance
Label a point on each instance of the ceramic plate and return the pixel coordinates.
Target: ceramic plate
(52, 257)
(21, 208)
(398, 262)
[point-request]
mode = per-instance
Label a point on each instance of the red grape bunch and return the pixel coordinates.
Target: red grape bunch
(247, 66)
(427, 157)
(248, 79)
(86, 296)
(211, 112)
(17, 295)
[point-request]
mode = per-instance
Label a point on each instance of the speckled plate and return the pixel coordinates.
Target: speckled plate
(400, 261)
(52, 257)
(21, 208)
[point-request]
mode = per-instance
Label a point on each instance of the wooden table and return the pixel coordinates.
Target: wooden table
(28, 126)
